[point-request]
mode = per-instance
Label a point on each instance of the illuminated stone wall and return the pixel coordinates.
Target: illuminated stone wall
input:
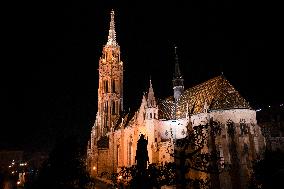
(248, 141)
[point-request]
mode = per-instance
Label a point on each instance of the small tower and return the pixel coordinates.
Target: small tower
(151, 109)
(177, 79)
(151, 120)
(110, 91)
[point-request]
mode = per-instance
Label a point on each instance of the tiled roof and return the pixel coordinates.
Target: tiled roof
(218, 93)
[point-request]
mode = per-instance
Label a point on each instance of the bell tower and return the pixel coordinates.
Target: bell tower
(177, 79)
(110, 91)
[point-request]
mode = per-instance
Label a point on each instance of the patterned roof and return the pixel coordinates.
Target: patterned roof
(218, 93)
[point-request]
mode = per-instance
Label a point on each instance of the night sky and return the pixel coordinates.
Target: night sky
(50, 77)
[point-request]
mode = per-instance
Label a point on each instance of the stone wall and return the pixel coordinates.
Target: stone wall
(238, 150)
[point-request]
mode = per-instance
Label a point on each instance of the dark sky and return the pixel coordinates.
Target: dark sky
(50, 79)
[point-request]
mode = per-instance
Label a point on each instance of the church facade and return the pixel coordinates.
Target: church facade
(114, 135)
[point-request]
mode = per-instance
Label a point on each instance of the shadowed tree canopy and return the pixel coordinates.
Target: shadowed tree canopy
(65, 168)
(188, 156)
(268, 172)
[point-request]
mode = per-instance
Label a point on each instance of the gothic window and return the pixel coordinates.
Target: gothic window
(106, 106)
(105, 120)
(231, 128)
(244, 129)
(113, 86)
(113, 108)
(144, 115)
(129, 153)
(116, 107)
(154, 115)
(106, 86)
(150, 115)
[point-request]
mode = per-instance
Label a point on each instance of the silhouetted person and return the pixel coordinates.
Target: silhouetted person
(142, 154)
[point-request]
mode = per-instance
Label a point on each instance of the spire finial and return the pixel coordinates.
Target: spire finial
(150, 82)
(111, 33)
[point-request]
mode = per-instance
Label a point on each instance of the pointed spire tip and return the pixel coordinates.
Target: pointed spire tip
(112, 34)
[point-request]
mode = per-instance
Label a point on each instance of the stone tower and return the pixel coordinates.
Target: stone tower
(151, 108)
(110, 91)
(177, 79)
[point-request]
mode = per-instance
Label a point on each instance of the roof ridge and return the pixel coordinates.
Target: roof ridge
(207, 81)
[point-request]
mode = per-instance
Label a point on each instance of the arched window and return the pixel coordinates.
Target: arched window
(113, 86)
(129, 153)
(113, 107)
(106, 86)
(150, 115)
(116, 107)
(106, 106)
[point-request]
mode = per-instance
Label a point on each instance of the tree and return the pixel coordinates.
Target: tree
(65, 167)
(155, 176)
(196, 152)
(268, 172)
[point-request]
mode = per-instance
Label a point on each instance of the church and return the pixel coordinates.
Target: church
(115, 133)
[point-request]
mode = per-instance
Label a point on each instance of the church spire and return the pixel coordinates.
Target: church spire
(177, 79)
(151, 86)
(177, 70)
(111, 33)
(110, 90)
(151, 101)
